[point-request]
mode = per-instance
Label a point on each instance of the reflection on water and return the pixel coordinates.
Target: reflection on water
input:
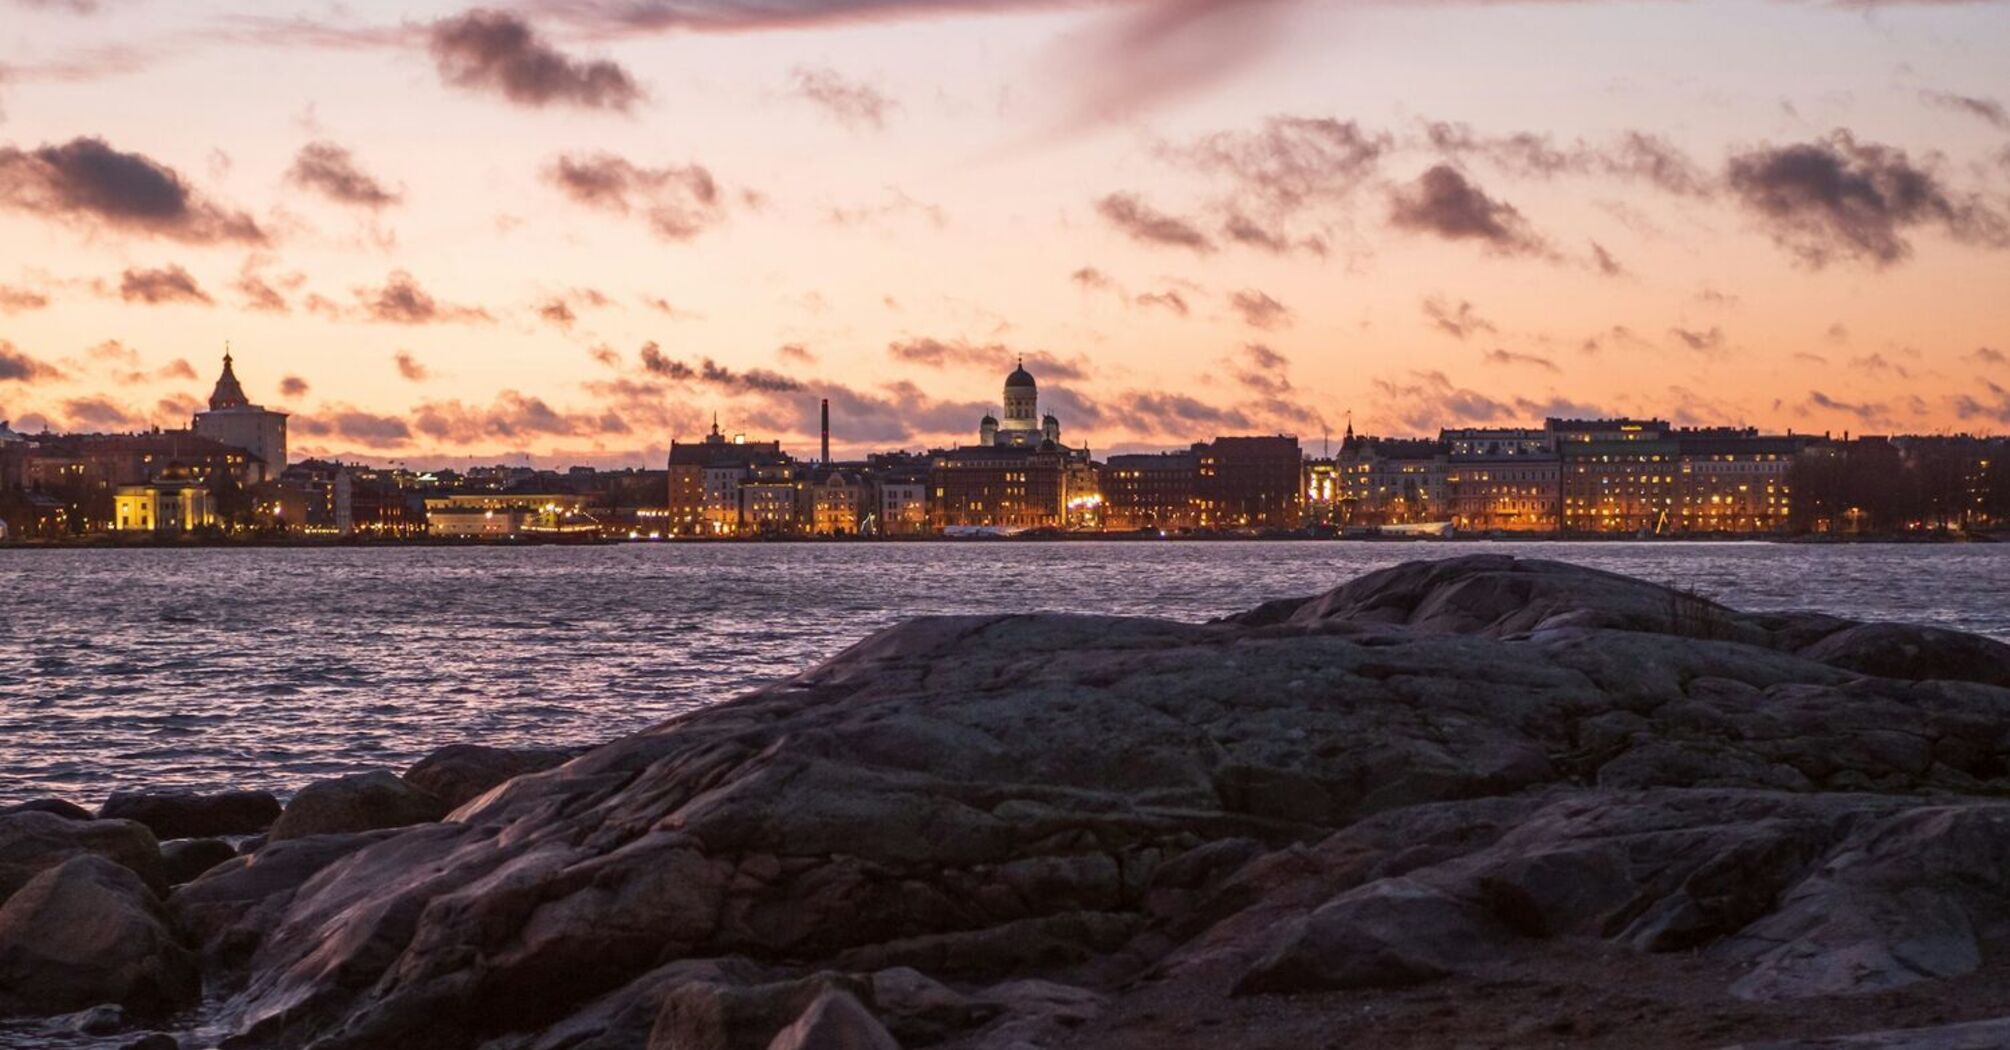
(270, 667)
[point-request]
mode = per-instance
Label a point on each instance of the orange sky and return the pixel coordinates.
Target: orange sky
(569, 231)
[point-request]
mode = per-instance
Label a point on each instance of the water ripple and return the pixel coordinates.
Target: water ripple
(209, 669)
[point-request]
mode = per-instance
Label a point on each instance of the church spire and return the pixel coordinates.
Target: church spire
(228, 394)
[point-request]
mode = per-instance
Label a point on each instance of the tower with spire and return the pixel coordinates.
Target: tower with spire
(234, 420)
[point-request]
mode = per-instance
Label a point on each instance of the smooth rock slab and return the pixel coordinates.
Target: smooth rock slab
(183, 815)
(89, 932)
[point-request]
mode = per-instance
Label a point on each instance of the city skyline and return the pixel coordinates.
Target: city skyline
(574, 231)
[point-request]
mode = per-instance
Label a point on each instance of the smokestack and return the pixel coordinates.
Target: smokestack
(827, 432)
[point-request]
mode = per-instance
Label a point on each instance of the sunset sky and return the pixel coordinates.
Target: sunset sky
(574, 229)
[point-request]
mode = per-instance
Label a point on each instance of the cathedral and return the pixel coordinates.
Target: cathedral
(1023, 427)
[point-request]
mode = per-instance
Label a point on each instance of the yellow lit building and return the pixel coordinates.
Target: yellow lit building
(165, 506)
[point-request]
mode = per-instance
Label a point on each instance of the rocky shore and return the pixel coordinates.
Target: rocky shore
(1481, 802)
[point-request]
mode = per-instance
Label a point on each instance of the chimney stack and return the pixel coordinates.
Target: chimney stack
(827, 432)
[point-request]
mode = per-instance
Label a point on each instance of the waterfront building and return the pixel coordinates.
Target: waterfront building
(173, 503)
(1735, 481)
(1007, 486)
(1392, 481)
(492, 514)
(772, 499)
(1500, 479)
(704, 481)
(835, 501)
(1249, 482)
(1620, 475)
(1018, 475)
(1151, 491)
(233, 420)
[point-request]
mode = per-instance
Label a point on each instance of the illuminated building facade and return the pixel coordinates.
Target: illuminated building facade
(835, 501)
(171, 504)
(1151, 491)
(1500, 479)
(1249, 482)
(705, 477)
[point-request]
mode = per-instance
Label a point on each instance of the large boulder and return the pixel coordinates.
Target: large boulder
(457, 773)
(60, 807)
(1461, 771)
(34, 841)
(183, 815)
(186, 859)
(89, 931)
(361, 802)
(1902, 650)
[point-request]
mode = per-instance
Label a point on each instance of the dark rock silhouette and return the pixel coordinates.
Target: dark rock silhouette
(457, 773)
(363, 802)
(89, 931)
(1595, 808)
(181, 815)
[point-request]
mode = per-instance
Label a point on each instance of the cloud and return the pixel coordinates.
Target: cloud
(1869, 412)
(1968, 406)
(1500, 356)
(1635, 156)
(558, 313)
(961, 353)
(1987, 110)
(1170, 299)
(1425, 401)
(1878, 364)
(259, 295)
(679, 202)
(1836, 199)
(1987, 355)
(1456, 321)
(1259, 310)
(1290, 161)
(855, 105)
(179, 368)
(17, 367)
(499, 53)
(1091, 278)
(1605, 261)
(1263, 370)
(332, 171)
(796, 352)
(355, 425)
(712, 373)
(86, 181)
(1700, 340)
(293, 386)
(1443, 203)
(1146, 225)
(99, 413)
(170, 284)
(512, 416)
(402, 301)
(410, 368)
(20, 300)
